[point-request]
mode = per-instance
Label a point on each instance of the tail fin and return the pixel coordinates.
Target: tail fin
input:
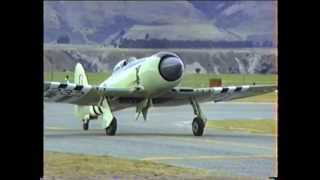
(82, 112)
(80, 75)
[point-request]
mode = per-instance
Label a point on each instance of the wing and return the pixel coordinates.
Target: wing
(179, 96)
(83, 94)
(91, 95)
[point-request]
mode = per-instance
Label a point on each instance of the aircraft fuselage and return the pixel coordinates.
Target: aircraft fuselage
(156, 74)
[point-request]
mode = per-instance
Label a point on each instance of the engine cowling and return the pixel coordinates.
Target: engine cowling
(161, 72)
(171, 67)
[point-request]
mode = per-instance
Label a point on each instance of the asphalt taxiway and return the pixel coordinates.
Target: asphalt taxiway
(167, 137)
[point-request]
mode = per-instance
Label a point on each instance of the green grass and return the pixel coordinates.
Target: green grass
(75, 166)
(192, 80)
(202, 80)
(67, 166)
(266, 126)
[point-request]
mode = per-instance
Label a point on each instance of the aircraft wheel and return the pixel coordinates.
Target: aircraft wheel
(111, 130)
(197, 126)
(85, 125)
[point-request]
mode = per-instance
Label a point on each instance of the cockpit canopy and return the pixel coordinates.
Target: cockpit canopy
(123, 63)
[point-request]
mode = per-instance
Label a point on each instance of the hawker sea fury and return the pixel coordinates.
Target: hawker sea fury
(141, 83)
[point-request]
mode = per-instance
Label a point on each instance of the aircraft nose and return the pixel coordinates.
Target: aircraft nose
(171, 68)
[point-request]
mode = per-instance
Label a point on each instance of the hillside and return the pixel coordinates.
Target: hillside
(179, 32)
(104, 22)
(93, 22)
(251, 20)
(99, 59)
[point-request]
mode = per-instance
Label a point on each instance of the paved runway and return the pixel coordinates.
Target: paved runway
(167, 137)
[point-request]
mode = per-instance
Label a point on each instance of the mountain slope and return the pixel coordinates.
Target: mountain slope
(93, 22)
(102, 21)
(252, 20)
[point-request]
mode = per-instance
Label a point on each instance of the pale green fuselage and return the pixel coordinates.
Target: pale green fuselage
(150, 79)
(150, 82)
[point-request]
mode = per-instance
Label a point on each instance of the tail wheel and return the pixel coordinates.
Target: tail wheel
(85, 125)
(198, 126)
(111, 130)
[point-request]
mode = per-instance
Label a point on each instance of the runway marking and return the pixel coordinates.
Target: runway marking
(224, 142)
(54, 128)
(274, 147)
(242, 144)
(165, 158)
(57, 115)
(247, 130)
(59, 128)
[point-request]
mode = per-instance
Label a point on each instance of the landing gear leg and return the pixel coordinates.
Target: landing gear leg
(109, 122)
(86, 124)
(112, 128)
(199, 122)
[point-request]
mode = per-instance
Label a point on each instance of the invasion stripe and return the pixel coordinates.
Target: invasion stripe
(78, 87)
(63, 86)
(224, 90)
(100, 110)
(94, 110)
(238, 89)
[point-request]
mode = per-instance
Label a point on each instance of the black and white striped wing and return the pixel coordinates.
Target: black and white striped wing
(82, 94)
(219, 93)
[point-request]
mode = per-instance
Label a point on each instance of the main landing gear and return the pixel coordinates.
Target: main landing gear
(197, 126)
(109, 122)
(86, 124)
(86, 121)
(199, 122)
(112, 128)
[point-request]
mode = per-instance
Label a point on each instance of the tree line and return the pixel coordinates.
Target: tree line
(164, 43)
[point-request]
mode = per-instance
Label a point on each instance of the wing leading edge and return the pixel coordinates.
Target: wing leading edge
(83, 94)
(218, 94)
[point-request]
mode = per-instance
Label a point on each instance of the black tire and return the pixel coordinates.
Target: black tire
(198, 126)
(111, 130)
(85, 125)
